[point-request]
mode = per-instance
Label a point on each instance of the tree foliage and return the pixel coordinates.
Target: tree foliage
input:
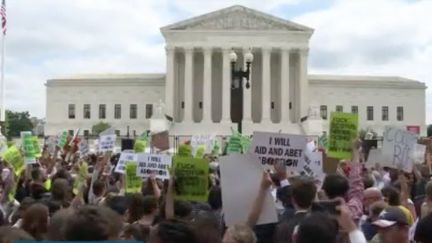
(100, 127)
(17, 122)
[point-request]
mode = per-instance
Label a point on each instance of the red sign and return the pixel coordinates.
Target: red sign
(414, 129)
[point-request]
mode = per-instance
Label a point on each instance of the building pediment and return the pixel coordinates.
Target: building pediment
(236, 18)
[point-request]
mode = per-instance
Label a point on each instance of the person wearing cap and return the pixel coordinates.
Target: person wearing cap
(392, 226)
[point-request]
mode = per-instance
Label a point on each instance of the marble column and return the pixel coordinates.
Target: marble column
(266, 79)
(188, 103)
(207, 97)
(226, 85)
(285, 87)
(170, 86)
(303, 84)
(247, 93)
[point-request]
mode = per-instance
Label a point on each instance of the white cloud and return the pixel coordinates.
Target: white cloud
(377, 37)
(49, 38)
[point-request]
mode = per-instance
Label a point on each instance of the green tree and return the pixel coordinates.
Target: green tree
(17, 122)
(429, 130)
(100, 127)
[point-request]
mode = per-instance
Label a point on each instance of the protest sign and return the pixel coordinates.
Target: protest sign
(199, 141)
(157, 164)
(200, 151)
(274, 147)
(13, 156)
(62, 139)
(133, 182)
(191, 178)
(28, 148)
(313, 164)
(419, 153)
(234, 144)
(375, 157)
(160, 141)
(236, 211)
(107, 140)
(399, 146)
(343, 129)
(36, 146)
(83, 147)
(125, 156)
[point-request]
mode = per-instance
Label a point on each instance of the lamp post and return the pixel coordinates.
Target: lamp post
(237, 76)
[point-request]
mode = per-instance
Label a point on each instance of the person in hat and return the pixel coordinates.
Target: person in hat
(392, 226)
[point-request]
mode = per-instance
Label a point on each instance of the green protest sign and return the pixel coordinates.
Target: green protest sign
(139, 146)
(28, 147)
(36, 146)
(200, 151)
(245, 143)
(62, 139)
(191, 178)
(184, 150)
(13, 156)
(133, 182)
(234, 145)
(343, 129)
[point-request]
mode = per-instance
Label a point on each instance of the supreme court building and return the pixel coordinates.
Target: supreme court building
(197, 88)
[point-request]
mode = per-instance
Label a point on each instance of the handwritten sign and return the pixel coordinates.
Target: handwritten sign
(191, 178)
(36, 146)
(202, 140)
(133, 182)
(84, 147)
(107, 140)
(343, 129)
(125, 156)
(28, 147)
(13, 156)
(156, 164)
(272, 148)
(399, 145)
(313, 167)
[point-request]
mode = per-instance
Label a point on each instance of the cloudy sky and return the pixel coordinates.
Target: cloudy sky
(52, 38)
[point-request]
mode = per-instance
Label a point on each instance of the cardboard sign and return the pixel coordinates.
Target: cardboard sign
(107, 140)
(343, 129)
(156, 164)
(399, 145)
(28, 148)
(191, 178)
(125, 157)
(275, 147)
(133, 182)
(160, 141)
(238, 195)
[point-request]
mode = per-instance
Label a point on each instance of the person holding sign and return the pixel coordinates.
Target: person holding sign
(348, 188)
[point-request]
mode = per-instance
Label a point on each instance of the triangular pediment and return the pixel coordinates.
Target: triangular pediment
(237, 18)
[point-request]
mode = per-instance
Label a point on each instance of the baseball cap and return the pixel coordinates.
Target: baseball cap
(391, 216)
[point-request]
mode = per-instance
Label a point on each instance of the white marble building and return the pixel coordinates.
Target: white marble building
(196, 88)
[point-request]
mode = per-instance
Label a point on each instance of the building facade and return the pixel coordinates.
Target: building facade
(197, 87)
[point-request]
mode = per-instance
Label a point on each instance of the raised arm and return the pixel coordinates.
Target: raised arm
(254, 214)
(356, 187)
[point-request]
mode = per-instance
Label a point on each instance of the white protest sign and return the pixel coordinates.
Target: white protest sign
(107, 140)
(236, 211)
(419, 153)
(400, 145)
(206, 140)
(313, 164)
(274, 147)
(125, 156)
(156, 164)
(83, 147)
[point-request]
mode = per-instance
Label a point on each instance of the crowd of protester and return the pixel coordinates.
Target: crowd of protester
(355, 204)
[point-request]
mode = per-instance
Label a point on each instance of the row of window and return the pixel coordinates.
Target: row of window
(133, 111)
(369, 112)
(86, 133)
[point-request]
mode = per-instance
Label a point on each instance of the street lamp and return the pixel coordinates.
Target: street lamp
(237, 76)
